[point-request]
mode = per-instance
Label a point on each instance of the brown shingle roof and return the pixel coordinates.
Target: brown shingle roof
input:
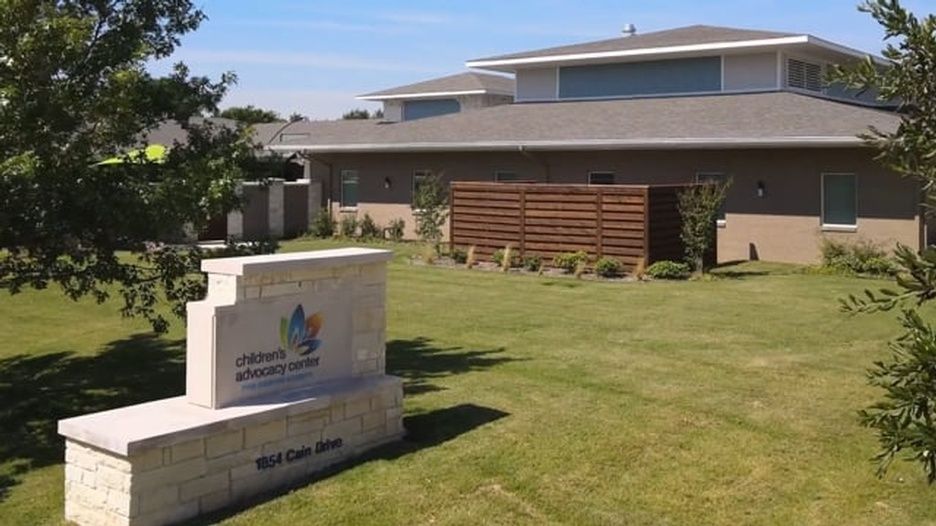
(768, 119)
(681, 36)
(468, 81)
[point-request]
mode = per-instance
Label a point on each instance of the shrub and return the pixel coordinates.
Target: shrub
(532, 263)
(459, 256)
(698, 208)
(323, 225)
(429, 254)
(395, 229)
(347, 226)
(430, 208)
(608, 267)
(369, 228)
(509, 259)
(668, 270)
(569, 261)
(862, 257)
(498, 257)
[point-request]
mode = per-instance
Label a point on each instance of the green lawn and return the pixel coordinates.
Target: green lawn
(532, 400)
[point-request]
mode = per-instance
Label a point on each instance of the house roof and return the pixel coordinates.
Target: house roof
(775, 119)
(468, 83)
(169, 132)
(682, 40)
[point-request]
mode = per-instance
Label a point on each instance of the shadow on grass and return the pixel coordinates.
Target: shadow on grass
(423, 431)
(419, 362)
(38, 391)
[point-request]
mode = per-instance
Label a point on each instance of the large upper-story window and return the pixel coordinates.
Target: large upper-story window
(420, 109)
(839, 200)
(655, 77)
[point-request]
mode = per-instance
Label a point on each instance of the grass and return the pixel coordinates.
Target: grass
(532, 400)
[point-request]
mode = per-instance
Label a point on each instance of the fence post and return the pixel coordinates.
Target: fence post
(451, 218)
(599, 249)
(646, 227)
(522, 222)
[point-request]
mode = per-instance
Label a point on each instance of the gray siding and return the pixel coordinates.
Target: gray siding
(420, 109)
(751, 72)
(689, 75)
(536, 84)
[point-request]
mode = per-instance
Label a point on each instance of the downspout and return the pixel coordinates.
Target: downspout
(536, 159)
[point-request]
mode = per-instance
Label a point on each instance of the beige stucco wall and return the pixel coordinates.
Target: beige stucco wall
(750, 71)
(784, 225)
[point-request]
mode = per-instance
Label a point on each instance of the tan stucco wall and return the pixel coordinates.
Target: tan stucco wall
(784, 225)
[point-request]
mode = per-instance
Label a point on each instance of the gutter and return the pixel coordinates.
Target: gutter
(595, 145)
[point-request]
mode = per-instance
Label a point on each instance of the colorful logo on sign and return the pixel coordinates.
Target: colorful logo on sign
(299, 334)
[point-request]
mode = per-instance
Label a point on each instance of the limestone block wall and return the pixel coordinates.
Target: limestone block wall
(218, 467)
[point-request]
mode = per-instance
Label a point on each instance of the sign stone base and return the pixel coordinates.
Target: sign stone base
(318, 397)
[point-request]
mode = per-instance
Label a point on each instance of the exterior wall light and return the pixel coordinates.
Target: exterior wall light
(387, 183)
(761, 189)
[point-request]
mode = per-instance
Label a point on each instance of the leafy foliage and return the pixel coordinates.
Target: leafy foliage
(569, 261)
(904, 418)
(323, 225)
(459, 256)
(361, 114)
(430, 208)
(369, 229)
(499, 254)
(607, 267)
(74, 90)
(863, 257)
(250, 114)
(348, 225)
(395, 229)
(532, 263)
(698, 208)
(668, 270)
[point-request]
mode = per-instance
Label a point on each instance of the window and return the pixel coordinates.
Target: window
(349, 188)
(804, 75)
(714, 178)
(505, 176)
(839, 200)
(418, 177)
(600, 177)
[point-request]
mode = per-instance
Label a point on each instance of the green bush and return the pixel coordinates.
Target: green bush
(862, 257)
(498, 257)
(568, 261)
(668, 270)
(608, 267)
(348, 225)
(395, 229)
(323, 225)
(369, 228)
(532, 263)
(459, 256)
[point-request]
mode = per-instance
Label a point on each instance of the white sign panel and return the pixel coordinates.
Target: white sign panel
(282, 344)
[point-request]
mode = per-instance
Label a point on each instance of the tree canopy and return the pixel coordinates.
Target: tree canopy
(249, 114)
(905, 419)
(74, 90)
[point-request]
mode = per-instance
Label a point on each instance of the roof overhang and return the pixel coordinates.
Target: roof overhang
(511, 64)
(431, 94)
(590, 145)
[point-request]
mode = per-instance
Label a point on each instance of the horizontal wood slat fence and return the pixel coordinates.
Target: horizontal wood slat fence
(628, 223)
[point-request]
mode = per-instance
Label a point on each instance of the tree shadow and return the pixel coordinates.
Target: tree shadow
(38, 391)
(423, 431)
(419, 362)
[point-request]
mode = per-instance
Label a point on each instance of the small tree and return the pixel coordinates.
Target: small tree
(430, 208)
(906, 418)
(249, 114)
(356, 114)
(698, 207)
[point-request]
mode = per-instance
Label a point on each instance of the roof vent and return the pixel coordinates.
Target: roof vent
(629, 30)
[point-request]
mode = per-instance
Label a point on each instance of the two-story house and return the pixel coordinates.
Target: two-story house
(689, 104)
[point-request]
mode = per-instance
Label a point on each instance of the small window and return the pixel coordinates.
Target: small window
(839, 200)
(714, 178)
(601, 178)
(804, 75)
(418, 177)
(349, 188)
(505, 177)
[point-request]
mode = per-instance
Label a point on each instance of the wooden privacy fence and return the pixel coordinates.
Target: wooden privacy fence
(628, 223)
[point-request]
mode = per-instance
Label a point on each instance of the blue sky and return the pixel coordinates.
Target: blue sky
(313, 57)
